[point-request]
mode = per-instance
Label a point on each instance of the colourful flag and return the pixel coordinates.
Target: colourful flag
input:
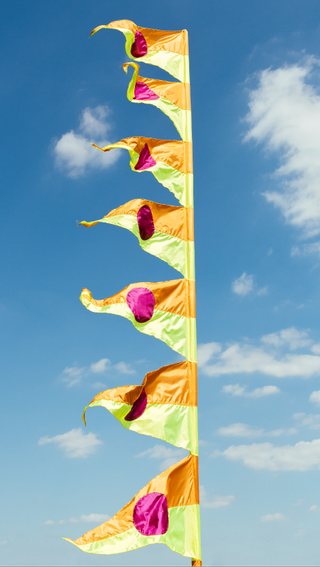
(166, 49)
(169, 161)
(165, 310)
(172, 98)
(165, 511)
(164, 406)
(162, 230)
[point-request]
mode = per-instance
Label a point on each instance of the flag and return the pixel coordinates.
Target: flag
(164, 406)
(170, 161)
(165, 511)
(165, 49)
(165, 310)
(172, 98)
(162, 230)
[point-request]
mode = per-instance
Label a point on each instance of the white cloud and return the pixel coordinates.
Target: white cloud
(263, 291)
(300, 533)
(4, 542)
(73, 375)
(168, 455)
(74, 443)
(244, 430)
(311, 420)
(302, 456)
(267, 359)
(285, 116)
(73, 152)
(214, 501)
(49, 523)
(100, 366)
(273, 518)
(306, 249)
(243, 285)
(240, 391)
(314, 508)
(315, 397)
(205, 352)
(90, 518)
(124, 368)
(291, 337)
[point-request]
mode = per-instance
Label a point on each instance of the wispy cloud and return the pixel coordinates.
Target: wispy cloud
(101, 366)
(268, 358)
(4, 542)
(73, 152)
(311, 420)
(214, 501)
(75, 444)
(74, 375)
(240, 391)
(273, 518)
(303, 456)
(83, 519)
(315, 397)
(243, 285)
(167, 455)
(244, 430)
(314, 508)
(285, 116)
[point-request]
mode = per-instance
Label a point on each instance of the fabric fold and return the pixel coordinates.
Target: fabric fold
(162, 230)
(173, 99)
(165, 49)
(170, 162)
(165, 310)
(165, 511)
(164, 406)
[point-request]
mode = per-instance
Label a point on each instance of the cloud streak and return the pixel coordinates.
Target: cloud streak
(75, 444)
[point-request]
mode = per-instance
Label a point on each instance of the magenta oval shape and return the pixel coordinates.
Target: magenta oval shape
(138, 407)
(139, 47)
(145, 159)
(150, 514)
(145, 222)
(141, 302)
(142, 92)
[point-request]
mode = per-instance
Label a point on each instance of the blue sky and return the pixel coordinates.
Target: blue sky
(256, 120)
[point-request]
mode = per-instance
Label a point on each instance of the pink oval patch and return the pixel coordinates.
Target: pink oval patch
(142, 92)
(139, 48)
(150, 514)
(138, 407)
(141, 301)
(145, 222)
(145, 159)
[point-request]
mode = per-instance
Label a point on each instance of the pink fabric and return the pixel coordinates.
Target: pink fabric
(142, 92)
(141, 301)
(139, 48)
(138, 407)
(145, 159)
(145, 222)
(150, 514)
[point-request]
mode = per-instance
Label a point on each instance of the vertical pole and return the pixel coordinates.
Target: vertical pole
(190, 257)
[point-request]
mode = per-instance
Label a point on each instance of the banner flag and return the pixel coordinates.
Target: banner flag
(165, 49)
(165, 511)
(164, 406)
(170, 161)
(172, 98)
(162, 230)
(164, 310)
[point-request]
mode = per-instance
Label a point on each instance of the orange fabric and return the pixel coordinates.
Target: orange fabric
(180, 485)
(157, 40)
(176, 93)
(172, 384)
(176, 154)
(175, 221)
(175, 296)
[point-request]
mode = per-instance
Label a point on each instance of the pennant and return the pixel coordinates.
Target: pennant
(172, 98)
(169, 161)
(165, 310)
(165, 511)
(162, 230)
(165, 49)
(164, 406)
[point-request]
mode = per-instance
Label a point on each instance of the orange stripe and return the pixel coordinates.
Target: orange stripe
(176, 93)
(175, 296)
(168, 219)
(172, 384)
(180, 485)
(176, 154)
(157, 40)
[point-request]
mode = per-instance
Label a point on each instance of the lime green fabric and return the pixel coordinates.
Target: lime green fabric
(182, 536)
(174, 330)
(170, 422)
(172, 250)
